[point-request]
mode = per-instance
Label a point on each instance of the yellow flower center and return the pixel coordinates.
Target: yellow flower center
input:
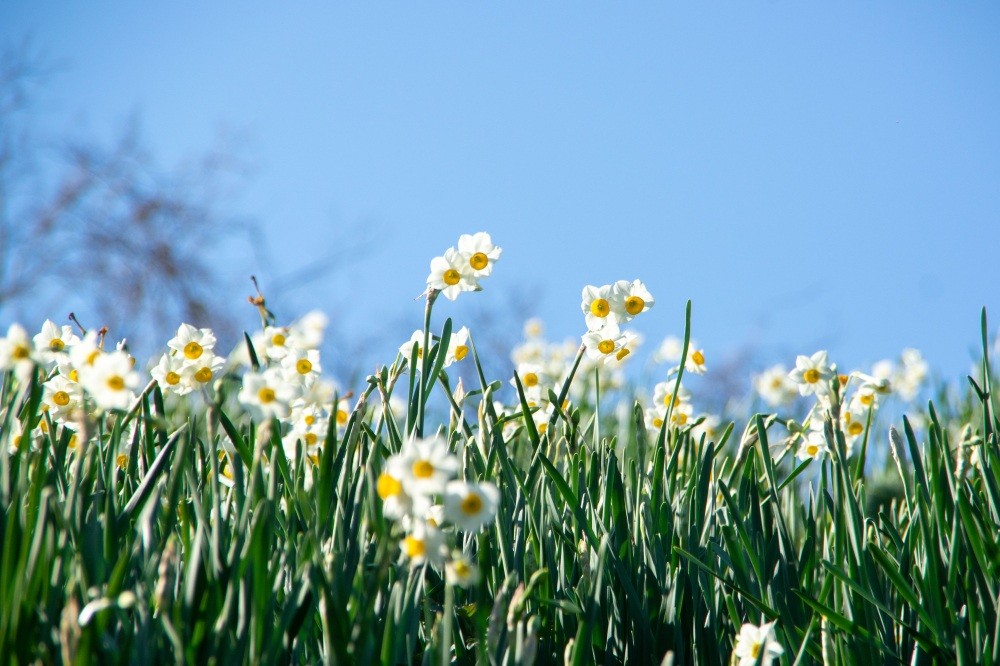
(56, 344)
(60, 398)
(622, 353)
(314, 459)
(172, 378)
(606, 346)
(21, 352)
(669, 398)
(311, 439)
(414, 547)
(461, 568)
(74, 375)
(388, 486)
(812, 450)
(600, 307)
(855, 428)
(867, 399)
(309, 419)
(116, 383)
(122, 461)
(266, 395)
(72, 442)
(93, 356)
(657, 422)
(472, 505)
(776, 383)
(451, 277)
(680, 418)
(479, 261)
(278, 340)
(193, 350)
(342, 417)
(530, 379)
(204, 375)
(634, 305)
(423, 469)
(698, 358)
(811, 375)
(461, 352)
(755, 650)
(542, 427)
(303, 366)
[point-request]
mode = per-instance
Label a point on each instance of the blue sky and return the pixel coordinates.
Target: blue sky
(811, 176)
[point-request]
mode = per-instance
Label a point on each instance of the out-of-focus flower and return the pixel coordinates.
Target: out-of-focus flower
(812, 374)
(16, 351)
(267, 394)
(776, 387)
(460, 570)
(110, 381)
(470, 505)
(426, 465)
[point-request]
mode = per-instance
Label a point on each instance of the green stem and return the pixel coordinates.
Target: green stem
(424, 385)
(449, 612)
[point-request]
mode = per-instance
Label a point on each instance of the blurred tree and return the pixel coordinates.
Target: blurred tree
(103, 230)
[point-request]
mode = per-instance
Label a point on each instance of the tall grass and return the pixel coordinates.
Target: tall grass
(611, 544)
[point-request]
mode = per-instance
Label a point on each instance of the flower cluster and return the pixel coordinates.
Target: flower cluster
(288, 386)
(190, 364)
(418, 489)
(71, 365)
(605, 309)
(461, 268)
(458, 346)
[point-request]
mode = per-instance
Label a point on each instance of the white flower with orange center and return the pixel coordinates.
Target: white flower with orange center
(53, 342)
(597, 306)
(202, 373)
(277, 342)
(63, 397)
(695, 362)
(479, 253)
(110, 381)
(458, 346)
(603, 343)
(813, 446)
(663, 395)
(168, 373)
(268, 394)
(425, 465)
(424, 543)
(630, 299)
(775, 387)
(17, 352)
(449, 276)
(812, 374)
(462, 571)
(302, 366)
(757, 645)
(191, 343)
(469, 506)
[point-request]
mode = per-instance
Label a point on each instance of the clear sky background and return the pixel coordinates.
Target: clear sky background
(811, 175)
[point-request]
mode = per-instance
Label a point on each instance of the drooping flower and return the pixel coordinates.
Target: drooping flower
(756, 645)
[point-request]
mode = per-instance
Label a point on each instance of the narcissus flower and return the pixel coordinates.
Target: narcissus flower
(16, 351)
(110, 381)
(757, 645)
(812, 374)
(597, 306)
(424, 543)
(460, 570)
(168, 373)
(268, 394)
(631, 299)
(425, 465)
(449, 275)
(775, 386)
(190, 342)
(458, 346)
(478, 253)
(53, 342)
(470, 505)
(604, 342)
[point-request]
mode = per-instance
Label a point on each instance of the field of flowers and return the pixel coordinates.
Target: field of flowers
(210, 508)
